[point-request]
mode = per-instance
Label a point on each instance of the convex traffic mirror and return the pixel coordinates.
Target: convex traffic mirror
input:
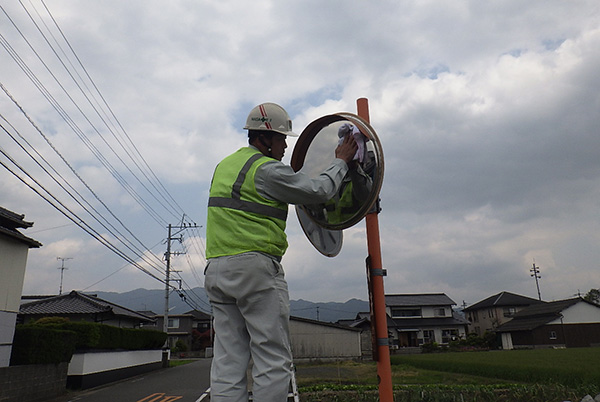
(360, 190)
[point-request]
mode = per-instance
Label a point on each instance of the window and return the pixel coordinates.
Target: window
(173, 323)
(405, 312)
(552, 334)
(449, 335)
(439, 312)
(428, 336)
(509, 311)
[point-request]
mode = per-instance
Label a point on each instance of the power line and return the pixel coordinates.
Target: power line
(71, 123)
(70, 215)
(102, 109)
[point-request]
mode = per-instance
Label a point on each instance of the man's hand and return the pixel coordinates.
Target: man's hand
(347, 149)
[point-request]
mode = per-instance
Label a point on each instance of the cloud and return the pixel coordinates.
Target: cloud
(487, 114)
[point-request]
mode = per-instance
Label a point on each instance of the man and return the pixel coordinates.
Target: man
(245, 240)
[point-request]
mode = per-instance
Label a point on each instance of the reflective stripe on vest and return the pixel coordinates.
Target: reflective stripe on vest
(239, 219)
(235, 202)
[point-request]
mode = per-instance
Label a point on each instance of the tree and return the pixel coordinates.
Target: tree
(593, 296)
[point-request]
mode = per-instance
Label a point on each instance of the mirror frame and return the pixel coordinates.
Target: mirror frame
(303, 144)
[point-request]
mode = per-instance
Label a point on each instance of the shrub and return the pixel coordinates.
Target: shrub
(41, 345)
(51, 320)
(91, 335)
(180, 346)
(431, 347)
(88, 333)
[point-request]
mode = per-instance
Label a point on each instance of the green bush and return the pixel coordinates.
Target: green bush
(88, 333)
(180, 346)
(91, 335)
(40, 345)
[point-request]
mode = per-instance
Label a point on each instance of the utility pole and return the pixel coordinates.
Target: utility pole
(168, 254)
(62, 270)
(375, 274)
(535, 272)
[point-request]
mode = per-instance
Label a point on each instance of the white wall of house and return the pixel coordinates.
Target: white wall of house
(12, 272)
(507, 343)
(312, 340)
(580, 313)
(439, 311)
(441, 335)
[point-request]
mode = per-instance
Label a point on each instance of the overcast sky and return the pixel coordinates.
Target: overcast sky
(488, 113)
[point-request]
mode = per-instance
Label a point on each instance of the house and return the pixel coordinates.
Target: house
(186, 327)
(14, 249)
(77, 306)
(419, 319)
(311, 339)
(414, 320)
(362, 321)
(564, 323)
(490, 313)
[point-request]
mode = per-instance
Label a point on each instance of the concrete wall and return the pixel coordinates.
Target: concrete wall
(313, 340)
(12, 271)
(91, 369)
(32, 383)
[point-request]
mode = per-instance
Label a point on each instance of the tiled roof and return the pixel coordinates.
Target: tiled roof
(504, 299)
(199, 315)
(428, 322)
(414, 300)
(537, 315)
(78, 303)
(10, 221)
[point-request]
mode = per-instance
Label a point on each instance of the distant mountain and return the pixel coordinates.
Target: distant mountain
(154, 300)
(328, 312)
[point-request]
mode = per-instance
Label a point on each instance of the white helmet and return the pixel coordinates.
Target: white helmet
(270, 117)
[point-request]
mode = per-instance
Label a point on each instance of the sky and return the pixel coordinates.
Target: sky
(488, 115)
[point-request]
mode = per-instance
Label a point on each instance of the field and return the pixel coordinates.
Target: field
(546, 375)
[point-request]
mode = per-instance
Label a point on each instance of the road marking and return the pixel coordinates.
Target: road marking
(160, 397)
(204, 395)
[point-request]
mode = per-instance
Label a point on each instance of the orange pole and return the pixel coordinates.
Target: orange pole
(384, 367)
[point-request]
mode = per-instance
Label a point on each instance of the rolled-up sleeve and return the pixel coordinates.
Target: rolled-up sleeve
(277, 181)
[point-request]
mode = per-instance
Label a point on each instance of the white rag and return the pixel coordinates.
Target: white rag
(359, 137)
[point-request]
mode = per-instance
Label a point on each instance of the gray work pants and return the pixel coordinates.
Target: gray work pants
(250, 302)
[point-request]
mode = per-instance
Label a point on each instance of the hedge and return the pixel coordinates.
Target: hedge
(54, 341)
(39, 345)
(91, 335)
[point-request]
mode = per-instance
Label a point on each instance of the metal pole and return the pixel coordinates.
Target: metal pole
(165, 354)
(535, 273)
(62, 269)
(376, 272)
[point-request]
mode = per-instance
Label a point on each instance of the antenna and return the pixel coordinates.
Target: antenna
(62, 270)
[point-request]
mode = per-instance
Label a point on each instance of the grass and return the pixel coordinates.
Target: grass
(176, 362)
(573, 368)
(365, 373)
(543, 375)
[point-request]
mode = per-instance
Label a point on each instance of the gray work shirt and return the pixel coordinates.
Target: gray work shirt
(278, 181)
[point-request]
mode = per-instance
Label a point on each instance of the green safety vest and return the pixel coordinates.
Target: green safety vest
(240, 220)
(344, 208)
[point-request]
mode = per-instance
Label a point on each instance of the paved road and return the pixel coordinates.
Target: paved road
(187, 383)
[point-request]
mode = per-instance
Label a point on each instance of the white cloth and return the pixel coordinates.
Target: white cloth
(360, 138)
